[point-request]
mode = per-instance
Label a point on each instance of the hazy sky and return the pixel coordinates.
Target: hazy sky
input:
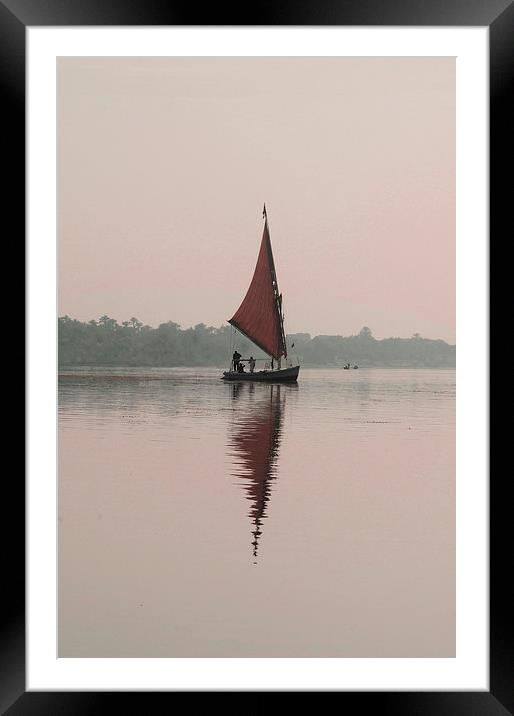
(164, 165)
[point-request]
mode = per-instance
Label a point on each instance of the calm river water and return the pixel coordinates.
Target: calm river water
(204, 519)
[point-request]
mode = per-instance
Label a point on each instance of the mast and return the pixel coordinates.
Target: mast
(278, 295)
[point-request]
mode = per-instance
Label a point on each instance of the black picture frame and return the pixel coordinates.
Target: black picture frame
(498, 15)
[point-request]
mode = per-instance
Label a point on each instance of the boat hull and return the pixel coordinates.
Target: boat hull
(285, 375)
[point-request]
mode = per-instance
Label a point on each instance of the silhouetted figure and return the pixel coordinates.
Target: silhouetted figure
(235, 360)
(240, 368)
(251, 363)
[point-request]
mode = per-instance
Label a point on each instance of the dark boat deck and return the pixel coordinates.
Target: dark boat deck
(286, 375)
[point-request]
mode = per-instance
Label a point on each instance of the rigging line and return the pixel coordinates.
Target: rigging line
(285, 339)
(232, 344)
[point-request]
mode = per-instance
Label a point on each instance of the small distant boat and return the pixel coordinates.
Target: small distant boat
(260, 319)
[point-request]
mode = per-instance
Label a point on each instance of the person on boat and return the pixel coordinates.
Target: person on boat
(240, 368)
(235, 361)
(251, 363)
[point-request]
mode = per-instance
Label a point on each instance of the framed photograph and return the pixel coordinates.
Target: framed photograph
(258, 354)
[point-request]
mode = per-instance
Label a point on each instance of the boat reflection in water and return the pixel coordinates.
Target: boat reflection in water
(254, 441)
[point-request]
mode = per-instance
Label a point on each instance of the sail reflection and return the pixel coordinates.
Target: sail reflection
(254, 441)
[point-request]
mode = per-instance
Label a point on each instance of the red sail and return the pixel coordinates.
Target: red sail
(258, 316)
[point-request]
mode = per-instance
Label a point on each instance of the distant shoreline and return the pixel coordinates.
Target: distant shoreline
(108, 344)
(77, 369)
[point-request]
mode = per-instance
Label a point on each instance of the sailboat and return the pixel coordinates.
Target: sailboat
(260, 319)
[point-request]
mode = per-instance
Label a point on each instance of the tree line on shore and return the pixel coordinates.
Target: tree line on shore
(105, 342)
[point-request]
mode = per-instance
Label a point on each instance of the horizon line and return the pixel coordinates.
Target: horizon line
(225, 323)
